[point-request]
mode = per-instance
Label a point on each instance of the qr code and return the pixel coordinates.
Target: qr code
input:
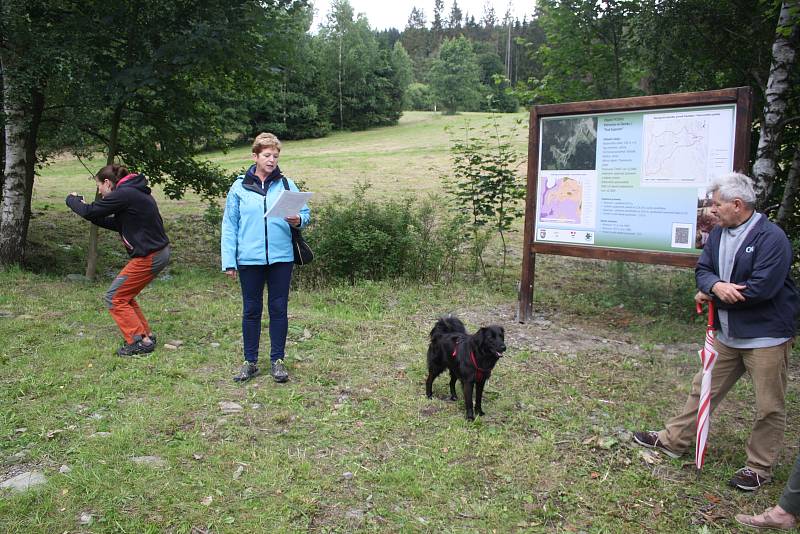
(681, 235)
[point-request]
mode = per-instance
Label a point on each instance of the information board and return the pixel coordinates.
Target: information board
(627, 179)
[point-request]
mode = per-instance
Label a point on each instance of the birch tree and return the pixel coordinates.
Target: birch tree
(13, 222)
(784, 53)
(790, 191)
(358, 71)
(23, 84)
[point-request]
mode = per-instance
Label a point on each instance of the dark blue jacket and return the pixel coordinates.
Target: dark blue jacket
(763, 264)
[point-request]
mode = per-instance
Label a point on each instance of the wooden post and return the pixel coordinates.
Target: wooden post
(525, 310)
(744, 121)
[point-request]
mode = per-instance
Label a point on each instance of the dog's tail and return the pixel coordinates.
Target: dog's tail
(449, 324)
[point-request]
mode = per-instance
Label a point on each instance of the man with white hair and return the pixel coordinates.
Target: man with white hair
(744, 270)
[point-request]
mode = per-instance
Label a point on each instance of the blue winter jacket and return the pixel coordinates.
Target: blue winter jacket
(762, 263)
(248, 238)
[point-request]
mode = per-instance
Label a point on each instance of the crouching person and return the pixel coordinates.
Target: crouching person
(128, 207)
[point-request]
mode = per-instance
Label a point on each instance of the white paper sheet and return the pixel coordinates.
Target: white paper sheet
(289, 203)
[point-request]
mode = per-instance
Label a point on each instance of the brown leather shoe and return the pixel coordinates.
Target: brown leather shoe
(746, 479)
(651, 440)
(768, 519)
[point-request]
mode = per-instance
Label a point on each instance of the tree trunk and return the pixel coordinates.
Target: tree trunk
(113, 146)
(508, 50)
(2, 138)
(341, 67)
(12, 211)
(784, 51)
(15, 205)
(31, 146)
(91, 254)
(790, 191)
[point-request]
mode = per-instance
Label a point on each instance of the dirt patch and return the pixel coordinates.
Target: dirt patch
(552, 332)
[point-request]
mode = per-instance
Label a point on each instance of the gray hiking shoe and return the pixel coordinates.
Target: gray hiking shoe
(278, 371)
(136, 348)
(248, 371)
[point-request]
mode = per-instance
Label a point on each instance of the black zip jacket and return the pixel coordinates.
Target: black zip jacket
(130, 210)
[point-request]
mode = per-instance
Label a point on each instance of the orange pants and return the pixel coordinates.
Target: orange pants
(120, 297)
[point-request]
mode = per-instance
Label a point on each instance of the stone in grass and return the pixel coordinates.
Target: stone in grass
(607, 442)
(650, 456)
(85, 518)
(24, 481)
(18, 456)
(175, 344)
(229, 407)
(355, 514)
(238, 472)
(64, 469)
(151, 461)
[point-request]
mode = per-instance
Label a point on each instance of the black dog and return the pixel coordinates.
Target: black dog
(470, 358)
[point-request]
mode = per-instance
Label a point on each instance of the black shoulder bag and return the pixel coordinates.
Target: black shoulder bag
(303, 255)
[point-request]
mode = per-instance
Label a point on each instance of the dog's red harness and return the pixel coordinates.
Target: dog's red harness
(478, 371)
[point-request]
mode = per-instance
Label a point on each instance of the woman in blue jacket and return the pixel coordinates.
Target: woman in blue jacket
(259, 249)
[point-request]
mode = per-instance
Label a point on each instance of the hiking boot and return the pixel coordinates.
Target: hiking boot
(248, 371)
(651, 440)
(136, 348)
(747, 480)
(278, 371)
(153, 339)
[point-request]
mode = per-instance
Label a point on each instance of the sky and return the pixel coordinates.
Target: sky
(383, 14)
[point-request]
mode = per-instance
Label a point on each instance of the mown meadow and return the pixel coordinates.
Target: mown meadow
(169, 443)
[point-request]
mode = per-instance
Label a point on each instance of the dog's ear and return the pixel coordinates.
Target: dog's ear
(481, 335)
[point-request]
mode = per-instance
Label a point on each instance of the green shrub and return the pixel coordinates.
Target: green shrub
(485, 187)
(212, 221)
(419, 97)
(356, 237)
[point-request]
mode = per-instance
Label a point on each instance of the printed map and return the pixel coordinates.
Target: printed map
(561, 201)
(675, 149)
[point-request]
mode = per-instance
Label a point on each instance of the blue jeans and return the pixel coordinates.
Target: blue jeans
(277, 278)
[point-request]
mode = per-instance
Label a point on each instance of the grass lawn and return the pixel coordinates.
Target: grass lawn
(168, 443)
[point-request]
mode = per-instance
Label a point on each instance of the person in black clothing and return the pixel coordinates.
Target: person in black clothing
(127, 207)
